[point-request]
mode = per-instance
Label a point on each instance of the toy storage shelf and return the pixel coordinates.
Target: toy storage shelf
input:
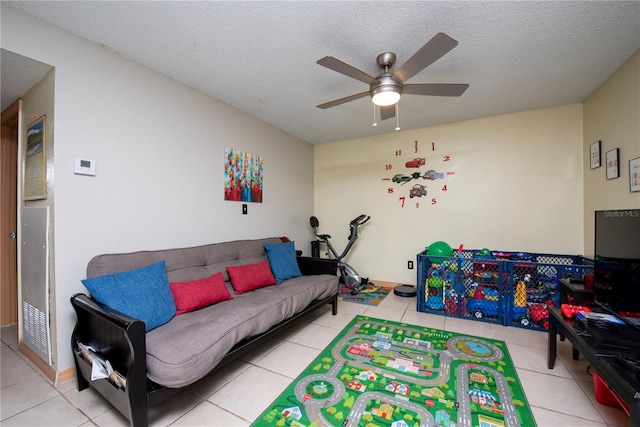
(514, 290)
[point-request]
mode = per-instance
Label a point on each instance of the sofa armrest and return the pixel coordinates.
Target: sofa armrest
(311, 266)
(121, 340)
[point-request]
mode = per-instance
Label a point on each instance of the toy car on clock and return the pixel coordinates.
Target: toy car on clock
(401, 178)
(415, 163)
(417, 191)
(433, 175)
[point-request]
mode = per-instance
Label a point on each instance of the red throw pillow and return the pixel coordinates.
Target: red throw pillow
(196, 294)
(245, 278)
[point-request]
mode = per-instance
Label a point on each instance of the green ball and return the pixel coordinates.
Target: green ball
(440, 249)
(485, 252)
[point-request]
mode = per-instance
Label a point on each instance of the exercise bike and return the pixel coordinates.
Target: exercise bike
(349, 277)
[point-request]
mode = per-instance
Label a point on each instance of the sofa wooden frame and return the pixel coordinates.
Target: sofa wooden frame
(121, 340)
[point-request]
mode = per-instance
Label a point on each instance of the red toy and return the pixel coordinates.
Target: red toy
(539, 314)
(569, 310)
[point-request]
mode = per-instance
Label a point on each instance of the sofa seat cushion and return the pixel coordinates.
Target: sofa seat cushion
(192, 344)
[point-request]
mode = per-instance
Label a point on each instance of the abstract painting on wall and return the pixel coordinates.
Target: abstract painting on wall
(242, 176)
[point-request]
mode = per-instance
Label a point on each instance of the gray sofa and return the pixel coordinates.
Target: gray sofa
(156, 364)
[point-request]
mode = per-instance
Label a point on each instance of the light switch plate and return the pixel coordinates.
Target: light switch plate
(82, 166)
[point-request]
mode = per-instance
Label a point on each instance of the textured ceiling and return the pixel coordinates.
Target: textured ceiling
(260, 57)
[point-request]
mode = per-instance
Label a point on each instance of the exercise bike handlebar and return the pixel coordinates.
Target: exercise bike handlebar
(360, 220)
(353, 226)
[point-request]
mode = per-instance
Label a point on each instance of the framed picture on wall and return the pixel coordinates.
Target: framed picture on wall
(612, 158)
(634, 174)
(595, 155)
(35, 171)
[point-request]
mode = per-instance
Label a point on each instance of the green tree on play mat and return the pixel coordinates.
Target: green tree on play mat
(271, 415)
(346, 377)
(427, 363)
(348, 404)
(380, 360)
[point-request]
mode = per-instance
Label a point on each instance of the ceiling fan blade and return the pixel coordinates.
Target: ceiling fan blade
(387, 112)
(435, 89)
(433, 50)
(346, 69)
(343, 100)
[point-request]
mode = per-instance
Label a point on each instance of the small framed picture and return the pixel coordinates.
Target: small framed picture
(612, 158)
(595, 155)
(634, 174)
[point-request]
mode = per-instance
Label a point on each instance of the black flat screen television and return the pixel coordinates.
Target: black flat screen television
(617, 260)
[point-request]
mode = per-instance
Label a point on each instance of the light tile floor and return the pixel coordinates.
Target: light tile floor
(237, 395)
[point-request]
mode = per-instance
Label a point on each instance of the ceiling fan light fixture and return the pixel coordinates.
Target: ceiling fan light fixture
(385, 95)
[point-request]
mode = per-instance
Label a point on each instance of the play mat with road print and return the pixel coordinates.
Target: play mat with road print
(382, 373)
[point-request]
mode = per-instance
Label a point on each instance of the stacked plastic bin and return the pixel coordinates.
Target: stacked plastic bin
(510, 289)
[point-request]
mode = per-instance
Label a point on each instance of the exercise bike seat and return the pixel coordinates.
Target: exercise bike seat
(323, 236)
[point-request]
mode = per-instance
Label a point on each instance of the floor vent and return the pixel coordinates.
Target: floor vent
(35, 330)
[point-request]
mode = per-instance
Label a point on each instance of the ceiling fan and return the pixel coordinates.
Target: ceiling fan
(387, 88)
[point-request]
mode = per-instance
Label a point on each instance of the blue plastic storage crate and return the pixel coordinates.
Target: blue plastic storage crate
(462, 286)
(535, 283)
(514, 290)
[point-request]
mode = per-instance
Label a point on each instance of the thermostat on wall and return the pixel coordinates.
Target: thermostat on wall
(84, 166)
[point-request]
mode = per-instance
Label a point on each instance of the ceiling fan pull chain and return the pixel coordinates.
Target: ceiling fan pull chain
(397, 118)
(374, 115)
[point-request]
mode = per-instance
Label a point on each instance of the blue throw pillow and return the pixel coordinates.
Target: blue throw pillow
(282, 260)
(143, 294)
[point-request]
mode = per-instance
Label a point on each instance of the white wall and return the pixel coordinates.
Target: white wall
(159, 152)
(612, 115)
(514, 184)
(37, 102)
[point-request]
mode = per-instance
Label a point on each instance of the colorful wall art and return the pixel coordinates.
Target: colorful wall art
(242, 176)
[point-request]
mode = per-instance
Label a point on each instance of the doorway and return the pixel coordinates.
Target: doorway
(8, 220)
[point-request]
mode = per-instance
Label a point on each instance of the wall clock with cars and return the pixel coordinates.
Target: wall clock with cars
(418, 176)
